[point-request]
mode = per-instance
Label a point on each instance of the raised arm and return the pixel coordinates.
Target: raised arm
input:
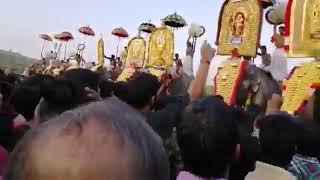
(188, 59)
(197, 87)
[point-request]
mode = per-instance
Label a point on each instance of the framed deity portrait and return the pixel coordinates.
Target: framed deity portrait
(160, 48)
(239, 27)
(136, 51)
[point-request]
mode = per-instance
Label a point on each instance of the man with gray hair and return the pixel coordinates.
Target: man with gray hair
(102, 141)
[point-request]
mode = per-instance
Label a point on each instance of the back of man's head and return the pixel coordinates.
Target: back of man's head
(83, 78)
(208, 137)
(141, 88)
(309, 140)
(27, 94)
(278, 139)
(103, 140)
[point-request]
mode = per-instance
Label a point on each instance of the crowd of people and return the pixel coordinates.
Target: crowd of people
(81, 125)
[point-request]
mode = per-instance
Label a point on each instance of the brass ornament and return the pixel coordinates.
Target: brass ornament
(136, 51)
(226, 78)
(298, 85)
(160, 48)
(239, 27)
(126, 74)
(304, 38)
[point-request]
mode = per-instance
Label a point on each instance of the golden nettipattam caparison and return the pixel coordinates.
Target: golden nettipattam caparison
(239, 27)
(304, 22)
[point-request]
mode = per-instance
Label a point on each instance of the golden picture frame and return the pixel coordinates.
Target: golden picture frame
(136, 51)
(160, 48)
(239, 27)
(304, 28)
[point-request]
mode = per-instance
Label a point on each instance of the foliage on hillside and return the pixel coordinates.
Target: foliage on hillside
(14, 61)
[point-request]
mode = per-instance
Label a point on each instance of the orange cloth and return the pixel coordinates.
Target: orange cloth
(278, 40)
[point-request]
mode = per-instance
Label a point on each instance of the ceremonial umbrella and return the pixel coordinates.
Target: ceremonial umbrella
(147, 27)
(120, 33)
(64, 37)
(45, 38)
(174, 20)
(87, 31)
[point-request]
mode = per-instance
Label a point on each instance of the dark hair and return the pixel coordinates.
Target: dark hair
(263, 47)
(309, 140)
(83, 78)
(25, 100)
(106, 88)
(208, 137)
(36, 80)
(120, 90)
(6, 89)
(278, 139)
(1, 72)
(27, 95)
(7, 84)
(140, 89)
(249, 154)
(114, 118)
(58, 97)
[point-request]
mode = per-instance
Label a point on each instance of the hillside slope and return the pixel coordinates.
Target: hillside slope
(14, 61)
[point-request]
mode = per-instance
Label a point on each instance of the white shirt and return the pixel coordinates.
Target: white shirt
(265, 171)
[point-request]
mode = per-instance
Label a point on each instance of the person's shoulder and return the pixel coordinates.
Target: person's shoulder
(268, 171)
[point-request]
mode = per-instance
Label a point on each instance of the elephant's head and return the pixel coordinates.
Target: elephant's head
(257, 86)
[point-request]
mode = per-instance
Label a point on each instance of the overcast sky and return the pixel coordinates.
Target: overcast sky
(21, 21)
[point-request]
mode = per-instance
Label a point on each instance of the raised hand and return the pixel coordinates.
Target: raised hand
(93, 95)
(207, 52)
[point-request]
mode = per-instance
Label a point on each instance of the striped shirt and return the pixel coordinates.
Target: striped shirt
(305, 168)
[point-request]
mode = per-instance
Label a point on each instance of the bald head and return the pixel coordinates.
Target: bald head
(105, 140)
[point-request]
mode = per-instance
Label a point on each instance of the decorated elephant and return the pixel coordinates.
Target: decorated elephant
(257, 86)
(241, 83)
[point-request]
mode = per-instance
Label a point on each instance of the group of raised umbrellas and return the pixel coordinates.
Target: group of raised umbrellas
(65, 37)
(174, 20)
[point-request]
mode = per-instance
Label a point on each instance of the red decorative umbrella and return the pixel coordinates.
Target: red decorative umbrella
(45, 38)
(64, 36)
(86, 30)
(120, 33)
